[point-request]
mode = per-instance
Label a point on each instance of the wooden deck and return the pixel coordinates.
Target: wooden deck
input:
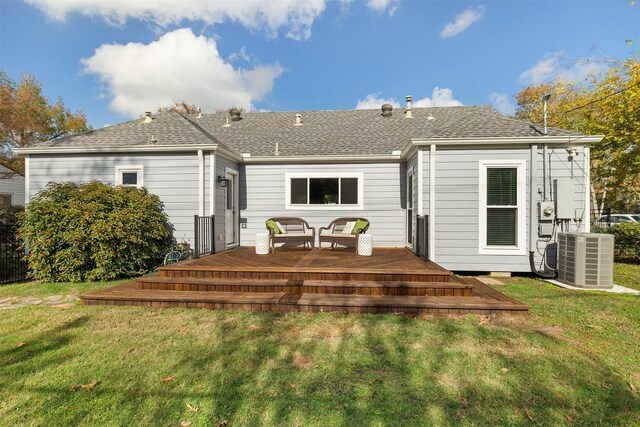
(297, 280)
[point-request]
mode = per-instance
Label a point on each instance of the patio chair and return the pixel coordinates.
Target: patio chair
(334, 232)
(297, 230)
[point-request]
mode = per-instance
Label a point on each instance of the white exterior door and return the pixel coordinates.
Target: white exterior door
(232, 197)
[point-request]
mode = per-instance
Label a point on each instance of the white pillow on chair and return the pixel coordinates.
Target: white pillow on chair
(348, 227)
(282, 229)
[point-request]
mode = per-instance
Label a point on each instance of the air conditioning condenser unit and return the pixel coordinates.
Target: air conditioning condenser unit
(585, 260)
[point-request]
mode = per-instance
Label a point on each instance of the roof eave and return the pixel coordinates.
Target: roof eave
(365, 158)
(131, 149)
(521, 140)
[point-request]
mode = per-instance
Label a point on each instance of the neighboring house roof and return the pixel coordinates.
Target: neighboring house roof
(322, 133)
(7, 170)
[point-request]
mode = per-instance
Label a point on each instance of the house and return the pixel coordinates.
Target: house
(494, 190)
(12, 187)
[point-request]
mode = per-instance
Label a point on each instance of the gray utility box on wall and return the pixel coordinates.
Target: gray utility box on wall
(564, 195)
(585, 260)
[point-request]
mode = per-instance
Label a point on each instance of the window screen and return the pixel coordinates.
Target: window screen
(129, 178)
(324, 191)
(502, 200)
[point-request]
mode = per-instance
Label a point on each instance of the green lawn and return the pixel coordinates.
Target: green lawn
(575, 359)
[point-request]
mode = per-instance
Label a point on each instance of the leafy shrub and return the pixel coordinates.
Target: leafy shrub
(93, 232)
(627, 240)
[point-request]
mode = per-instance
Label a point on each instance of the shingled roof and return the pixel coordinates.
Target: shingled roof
(339, 132)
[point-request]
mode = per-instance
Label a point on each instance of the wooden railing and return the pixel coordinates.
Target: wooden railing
(422, 236)
(205, 242)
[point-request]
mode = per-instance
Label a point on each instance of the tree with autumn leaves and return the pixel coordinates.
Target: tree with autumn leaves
(27, 117)
(607, 105)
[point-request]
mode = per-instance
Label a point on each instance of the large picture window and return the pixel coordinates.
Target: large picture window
(502, 207)
(338, 190)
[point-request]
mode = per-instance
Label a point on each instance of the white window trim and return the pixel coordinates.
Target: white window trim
(287, 191)
(139, 169)
(521, 228)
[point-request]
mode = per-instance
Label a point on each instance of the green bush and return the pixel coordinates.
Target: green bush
(94, 232)
(627, 240)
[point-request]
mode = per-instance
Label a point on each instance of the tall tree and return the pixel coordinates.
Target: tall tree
(27, 117)
(182, 107)
(608, 105)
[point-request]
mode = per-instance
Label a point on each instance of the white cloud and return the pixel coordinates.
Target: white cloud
(373, 101)
(382, 6)
(553, 66)
(502, 103)
(294, 15)
(544, 70)
(462, 21)
(178, 66)
(440, 97)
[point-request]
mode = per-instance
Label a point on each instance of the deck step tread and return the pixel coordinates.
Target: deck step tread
(212, 281)
(386, 284)
(128, 292)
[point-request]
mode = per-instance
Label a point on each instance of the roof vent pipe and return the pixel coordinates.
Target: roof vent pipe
(386, 110)
(153, 139)
(298, 119)
(430, 117)
(199, 116)
(235, 114)
(147, 117)
(407, 112)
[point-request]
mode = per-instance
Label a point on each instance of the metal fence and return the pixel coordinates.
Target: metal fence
(422, 236)
(205, 242)
(13, 262)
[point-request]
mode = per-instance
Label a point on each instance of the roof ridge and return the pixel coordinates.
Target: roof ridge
(206, 134)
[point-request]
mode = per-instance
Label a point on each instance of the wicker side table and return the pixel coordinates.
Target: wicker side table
(365, 244)
(262, 244)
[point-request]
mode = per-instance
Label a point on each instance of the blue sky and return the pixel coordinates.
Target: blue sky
(115, 59)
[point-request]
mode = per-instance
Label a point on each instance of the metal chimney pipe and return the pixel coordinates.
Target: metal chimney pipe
(407, 113)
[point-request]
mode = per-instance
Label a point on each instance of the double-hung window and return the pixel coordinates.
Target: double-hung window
(324, 190)
(131, 176)
(502, 206)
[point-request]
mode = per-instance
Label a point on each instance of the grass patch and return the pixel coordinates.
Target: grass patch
(575, 358)
(40, 289)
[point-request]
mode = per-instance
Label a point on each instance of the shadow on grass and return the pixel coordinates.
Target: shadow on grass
(327, 370)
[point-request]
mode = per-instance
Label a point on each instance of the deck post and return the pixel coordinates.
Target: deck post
(196, 232)
(212, 237)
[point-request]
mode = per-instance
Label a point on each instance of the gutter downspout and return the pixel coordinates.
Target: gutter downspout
(212, 183)
(27, 174)
(200, 183)
(533, 174)
(587, 183)
(432, 202)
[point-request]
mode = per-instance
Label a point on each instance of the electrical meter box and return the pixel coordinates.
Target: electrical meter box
(546, 211)
(564, 195)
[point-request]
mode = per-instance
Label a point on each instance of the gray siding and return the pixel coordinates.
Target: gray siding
(384, 184)
(14, 186)
(173, 177)
(457, 210)
(457, 203)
